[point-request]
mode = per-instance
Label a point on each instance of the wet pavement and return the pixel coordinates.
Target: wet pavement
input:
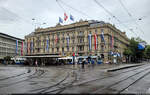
(74, 79)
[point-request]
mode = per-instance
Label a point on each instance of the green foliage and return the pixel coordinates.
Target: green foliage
(138, 39)
(133, 46)
(147, 51)
(7, 58)
(127, 52)
(133, 50)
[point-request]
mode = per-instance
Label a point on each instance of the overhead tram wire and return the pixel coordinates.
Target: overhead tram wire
(100, 5)
(137, 25)
(73, 8)
(60, 5)
(113, 16)
(128, 13)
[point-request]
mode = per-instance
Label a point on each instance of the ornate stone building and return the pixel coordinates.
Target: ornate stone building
(63, 40)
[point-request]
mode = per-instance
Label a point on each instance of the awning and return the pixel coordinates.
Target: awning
(1, 58)
(41, 56)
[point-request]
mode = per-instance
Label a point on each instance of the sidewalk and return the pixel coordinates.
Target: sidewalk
(104, 67)
(99, 71)
(124, 67)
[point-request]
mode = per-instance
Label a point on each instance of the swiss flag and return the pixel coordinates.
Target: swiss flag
(65, 16)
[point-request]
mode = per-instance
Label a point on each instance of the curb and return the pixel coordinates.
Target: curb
(112, 70)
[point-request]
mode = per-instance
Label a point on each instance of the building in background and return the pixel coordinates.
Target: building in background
(11, 46)
(82, 38)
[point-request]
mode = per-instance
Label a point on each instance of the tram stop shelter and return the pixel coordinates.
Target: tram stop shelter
(41, 59)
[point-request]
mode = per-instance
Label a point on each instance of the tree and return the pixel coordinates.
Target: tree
(127, 53)
(7, 58)
(138, 39)
(133, 51)
(147, 51)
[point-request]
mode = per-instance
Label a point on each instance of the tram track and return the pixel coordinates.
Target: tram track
(62, 86)
(110, 75)
(42, 90)
(28, 71)
(37, 73)
(133, 82)
(57, 87)
(120, 81)
(60, 89)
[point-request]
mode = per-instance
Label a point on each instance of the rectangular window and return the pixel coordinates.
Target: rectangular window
(49, 42)
(62, 49)
(57, 49)
(33, 44)
(53, 39)
(89, 32)
(53, 50)
(67, 48)
(102, 30)
(96, 31)
(72, 48)
(102, 48)
(82, 48)
(57, 38)
(80, 40)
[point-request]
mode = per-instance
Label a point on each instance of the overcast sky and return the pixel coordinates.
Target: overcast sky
(16, 15)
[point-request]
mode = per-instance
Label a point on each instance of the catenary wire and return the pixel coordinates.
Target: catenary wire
(100, 5)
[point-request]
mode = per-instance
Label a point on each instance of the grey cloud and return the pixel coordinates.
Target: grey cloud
(6, 16)
(22, 11)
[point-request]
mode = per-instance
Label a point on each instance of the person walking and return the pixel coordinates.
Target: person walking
(93, 63)
(83, 62)
(43, 64)
(36, 63)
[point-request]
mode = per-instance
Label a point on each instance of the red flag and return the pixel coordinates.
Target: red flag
(112, 43)
(56, 39)
(95, 41)
(22, 49)
(73, 54)
(65, 16)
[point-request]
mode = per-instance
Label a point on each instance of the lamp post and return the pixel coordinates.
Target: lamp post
(40, 24)
(37, 24)
(33, 19)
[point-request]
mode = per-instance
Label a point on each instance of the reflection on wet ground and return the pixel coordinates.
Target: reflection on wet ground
(74, 79)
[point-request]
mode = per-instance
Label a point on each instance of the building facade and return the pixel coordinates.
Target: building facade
(8, 46)
(64, 40)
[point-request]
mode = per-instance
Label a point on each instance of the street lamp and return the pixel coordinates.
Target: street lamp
(37, 24)
(33, 19)
(42, 23)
